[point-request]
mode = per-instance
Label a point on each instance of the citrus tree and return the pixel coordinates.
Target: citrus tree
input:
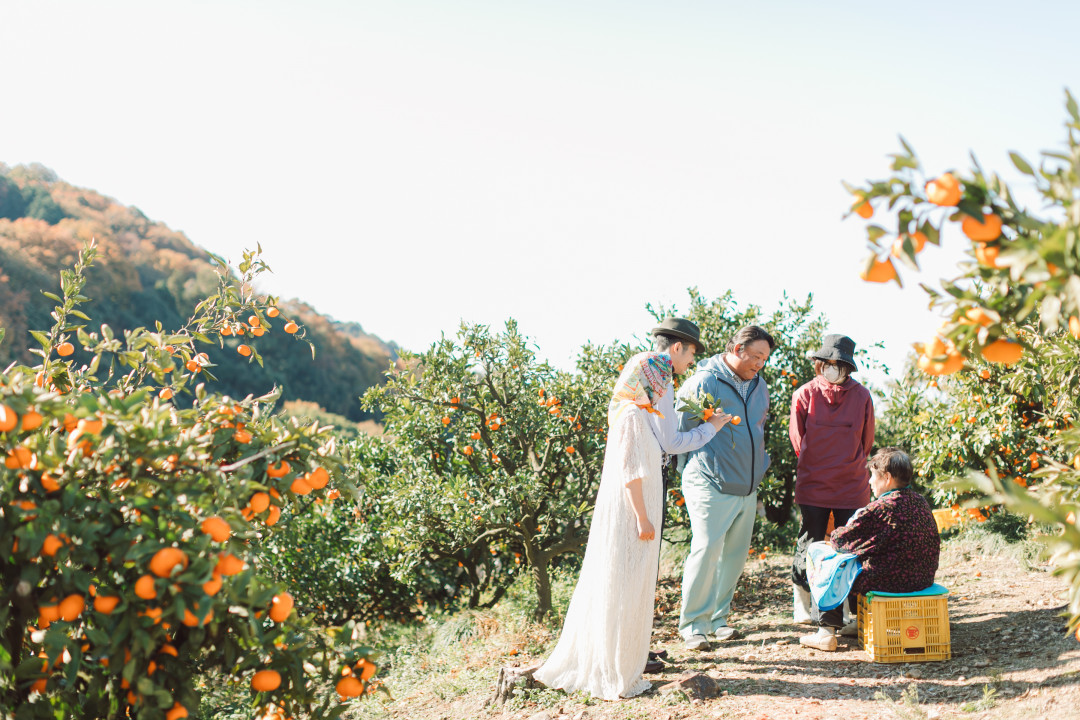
(132, 524)
(1009, 345)
(497, 458)
(797, 330)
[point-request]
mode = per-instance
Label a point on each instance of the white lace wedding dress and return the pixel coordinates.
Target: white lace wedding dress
(605, 639)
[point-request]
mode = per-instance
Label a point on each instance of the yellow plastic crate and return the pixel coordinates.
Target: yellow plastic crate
(905, 629)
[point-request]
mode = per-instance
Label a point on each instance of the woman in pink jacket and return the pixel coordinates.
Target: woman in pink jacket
(832, 431)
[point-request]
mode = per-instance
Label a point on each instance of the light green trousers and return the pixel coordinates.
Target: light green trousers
(722, 526)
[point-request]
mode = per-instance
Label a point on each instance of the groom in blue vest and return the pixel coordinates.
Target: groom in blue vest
(720, 482)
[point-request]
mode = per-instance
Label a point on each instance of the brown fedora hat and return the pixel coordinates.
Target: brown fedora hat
(682, 329)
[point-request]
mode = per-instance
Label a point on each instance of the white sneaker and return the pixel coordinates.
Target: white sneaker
(724, 633)
(824, 639)
(801, 606)
(851, 629)
(698, 642)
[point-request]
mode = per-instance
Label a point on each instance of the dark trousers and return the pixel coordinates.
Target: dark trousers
(835, 618)
(814, 522)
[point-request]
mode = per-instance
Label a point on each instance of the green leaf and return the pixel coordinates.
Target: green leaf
(1070, 105)
(52, 296)
(1021, 164)
(41, 337)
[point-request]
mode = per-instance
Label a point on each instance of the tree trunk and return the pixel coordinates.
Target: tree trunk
(543, 586)
(509, 679)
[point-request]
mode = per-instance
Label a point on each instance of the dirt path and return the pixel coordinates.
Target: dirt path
(1011, 659)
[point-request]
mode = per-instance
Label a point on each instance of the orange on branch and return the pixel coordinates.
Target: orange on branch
(211, 586)
(736, 420)
(51, 545)
(166, 559)
(217, 528)
(72, 607)
(300, 486)
(1003, 351)
(862, 207)
(281, 607)
(266, 681)
(982, 230)
(229, 564)
(987, 255)
(291, 327)
(244, 350)
(64, 349)
(879, 272)
(272, 311)
(166, 393)
(944, 190)
(144, 587)
(318, 478)
(176, 712)
(259, 502)
(279, 470)
(105, 604)
(8, 418)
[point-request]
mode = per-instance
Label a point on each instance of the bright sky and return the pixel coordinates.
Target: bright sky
(408, 165)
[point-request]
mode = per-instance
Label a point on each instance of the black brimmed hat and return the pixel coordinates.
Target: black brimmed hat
(839, 348)
(684, 330)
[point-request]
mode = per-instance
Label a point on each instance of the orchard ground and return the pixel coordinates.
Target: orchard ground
(1012, 655)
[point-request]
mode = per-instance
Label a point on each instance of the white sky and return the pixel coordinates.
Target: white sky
(410, 164)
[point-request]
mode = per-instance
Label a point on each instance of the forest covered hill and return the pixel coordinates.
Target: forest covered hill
(146, 272)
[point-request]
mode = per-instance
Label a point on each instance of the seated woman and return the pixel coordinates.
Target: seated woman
(894, 538)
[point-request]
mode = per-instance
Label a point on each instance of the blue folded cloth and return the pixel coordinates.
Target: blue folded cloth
(830, 574)
(934, 589)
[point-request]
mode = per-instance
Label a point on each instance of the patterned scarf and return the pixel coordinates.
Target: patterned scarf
(644, 378)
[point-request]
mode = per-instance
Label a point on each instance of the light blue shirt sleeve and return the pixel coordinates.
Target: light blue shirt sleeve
(666, 430)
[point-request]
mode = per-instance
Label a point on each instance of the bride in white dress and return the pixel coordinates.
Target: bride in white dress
(605, 639)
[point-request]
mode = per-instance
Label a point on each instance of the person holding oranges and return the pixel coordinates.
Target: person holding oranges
(604, 644)
(832, 431)
(720, 482)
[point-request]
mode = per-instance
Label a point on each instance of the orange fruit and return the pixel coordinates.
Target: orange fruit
(281, 607)
(300, 486)
(72, 607)
(8, 419)
(291, 327)
(980, 316)
(279, 470)
(952, 363)
(707, 413)
(259, 502)
(467, 450)
(736, 420)
(1074, 327)
(944, 190)
(258, 331)
(1003, 351)
(365, 669)
(144, 587)
(31, 420)
(987, 255)
(253, 321)
(64, 349)
(211, 586)
(217, 528)
(165, 394)
(176, 712)
(51, 545)
(445, 420)
(105, 604)
(271, 311)
(226, 330)
(229, 564)
(349, 686)
(242, 436)
(985, 374)
(982, 230)
(243, 350)
(48, 613)
(192, 366)
(318, 478)
(266, 681)
(918, 242)
(862, 207)
(192, 620)
(49, 483)
(166, 559)
(273, 516)
(880, 271)
(168, 649)
(20, 458)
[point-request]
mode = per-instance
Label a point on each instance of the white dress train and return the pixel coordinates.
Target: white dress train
(605, 639)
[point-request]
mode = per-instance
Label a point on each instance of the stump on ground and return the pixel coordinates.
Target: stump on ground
(510, 678)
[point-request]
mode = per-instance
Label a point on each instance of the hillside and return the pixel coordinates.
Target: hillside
(145, 273)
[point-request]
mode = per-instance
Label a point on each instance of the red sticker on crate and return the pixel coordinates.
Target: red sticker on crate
(912, 632)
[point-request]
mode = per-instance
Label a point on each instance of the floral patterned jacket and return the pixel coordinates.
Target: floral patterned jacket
(896, 540)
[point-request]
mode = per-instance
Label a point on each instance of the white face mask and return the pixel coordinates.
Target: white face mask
(834, 374)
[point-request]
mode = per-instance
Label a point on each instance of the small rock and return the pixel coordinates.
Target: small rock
(542, 715)
(961, 679)
(913, 673)
(582, 715)
(697, 686)
(783, 641)
(981, 663)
